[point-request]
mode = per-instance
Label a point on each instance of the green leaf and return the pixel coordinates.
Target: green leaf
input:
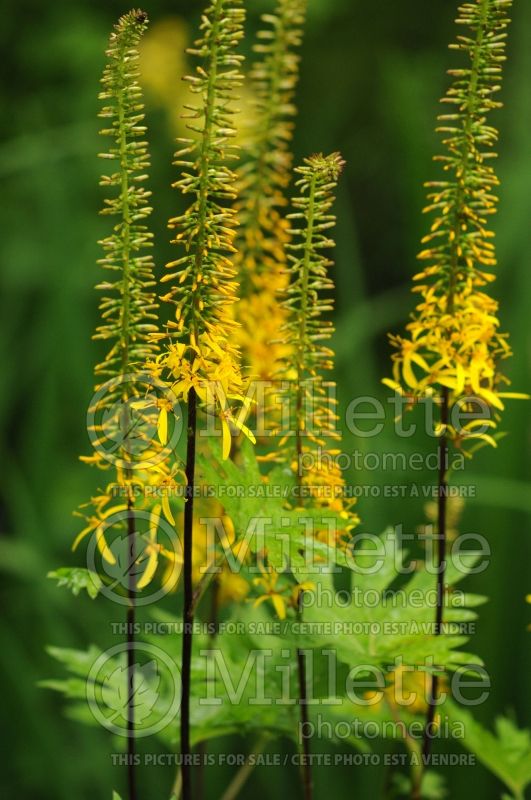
(116, 691)
(76, 579)
(399, 622)
(78, 662)
(152, 696)
(286, 533)
(506, 753)
(116, 796)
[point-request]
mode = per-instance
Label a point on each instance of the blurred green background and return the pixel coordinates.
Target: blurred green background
(371, 77)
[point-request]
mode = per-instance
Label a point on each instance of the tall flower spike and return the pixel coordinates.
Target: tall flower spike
(453, 342)
(201, 353)
(129, 313)
(311, 398)
(310, 401)
(128, 309)
(263, 179)
(454, 345)
(201, 359)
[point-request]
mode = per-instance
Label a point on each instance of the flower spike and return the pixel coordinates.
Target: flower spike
(263, 179)
(128, 316)
(453, 342)
(307, 331)
(201, 353)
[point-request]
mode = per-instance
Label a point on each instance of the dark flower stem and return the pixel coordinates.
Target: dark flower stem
(131, 613)
(202, 747)
(307, 779)
(188, 605)
(441, 561)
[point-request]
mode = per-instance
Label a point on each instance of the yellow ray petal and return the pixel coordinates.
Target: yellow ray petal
(162, 426)
(151, 568)
(227, 439)
(103, 547)
(82, 535)
(280, 606)
(167, 510)
(392, 385)
(114, 510)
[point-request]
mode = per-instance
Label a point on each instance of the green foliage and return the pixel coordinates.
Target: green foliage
(76, 579)
(506, 753)
(403, 607)
(401, 622)
(111, 695)
(265, 518)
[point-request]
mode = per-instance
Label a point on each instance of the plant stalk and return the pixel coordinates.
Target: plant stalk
(202, 747)
(306, 769)
(244, 772)
(188, 605)
(131, 614)
(441, 560)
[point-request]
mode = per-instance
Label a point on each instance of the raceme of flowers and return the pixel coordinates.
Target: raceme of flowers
(200, 352)
(263, 178)
(311, 398)
(129, 307)
(454, 339)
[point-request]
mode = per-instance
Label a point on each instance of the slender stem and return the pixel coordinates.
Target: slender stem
(441, 561)
(307, 778)
(455, 252)
(241, 777)
(205, 161)
(202, 747)
(131, 589)
(188, 605)
(200, 249)
(455, 244)
(177, 786)
(299, 428)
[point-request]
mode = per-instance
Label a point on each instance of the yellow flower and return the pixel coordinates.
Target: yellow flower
(216, 378)
(453, 342)
(407, 690)
(268, 581)
(152, 553)
(232, 587)
(98, 522)
(298, 589)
